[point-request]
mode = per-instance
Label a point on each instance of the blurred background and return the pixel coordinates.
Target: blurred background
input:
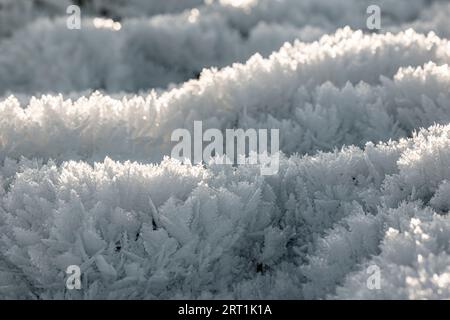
(138, 45)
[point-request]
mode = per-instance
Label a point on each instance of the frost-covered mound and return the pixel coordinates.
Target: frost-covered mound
(346, 89)
(175, 231)
(152, 51)
(77, 186)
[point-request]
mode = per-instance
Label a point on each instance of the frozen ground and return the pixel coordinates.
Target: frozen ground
(364, 123)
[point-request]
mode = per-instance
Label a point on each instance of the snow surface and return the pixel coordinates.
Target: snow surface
(364, 123)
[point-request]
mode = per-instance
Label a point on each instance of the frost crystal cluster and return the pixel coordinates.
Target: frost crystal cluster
(86, 118)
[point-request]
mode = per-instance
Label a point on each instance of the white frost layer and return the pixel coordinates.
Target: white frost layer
(174, 231)
(160, 50)
(345, 89)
